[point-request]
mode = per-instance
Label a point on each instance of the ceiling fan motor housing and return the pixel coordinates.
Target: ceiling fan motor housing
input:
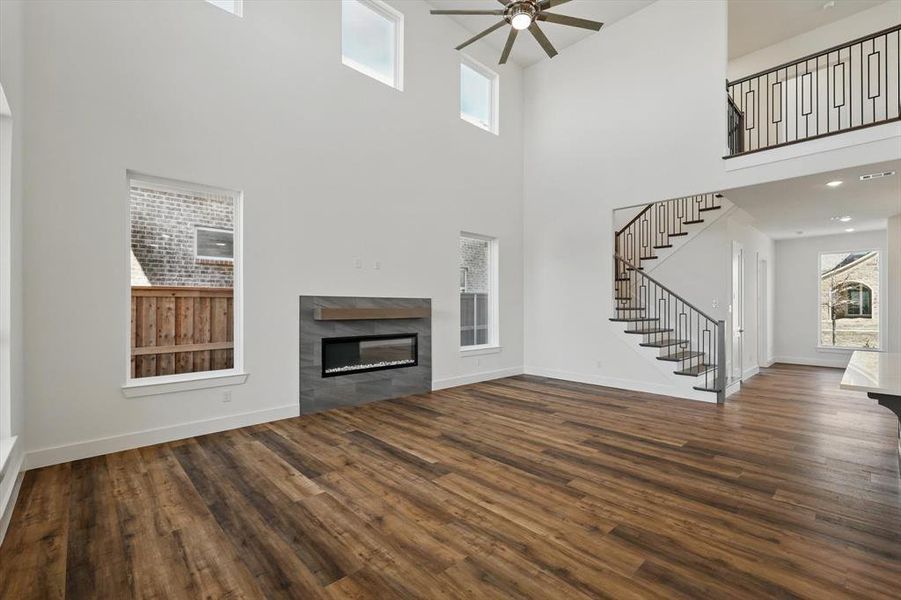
(527, 8)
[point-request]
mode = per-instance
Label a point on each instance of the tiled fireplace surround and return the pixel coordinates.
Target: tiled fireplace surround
(318, 393)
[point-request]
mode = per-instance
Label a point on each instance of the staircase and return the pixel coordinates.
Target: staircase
(662, 320)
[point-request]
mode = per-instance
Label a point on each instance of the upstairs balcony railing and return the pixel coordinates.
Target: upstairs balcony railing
(850, 86)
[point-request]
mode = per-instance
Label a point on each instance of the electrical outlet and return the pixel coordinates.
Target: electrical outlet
(358, 263)
(716, 303)
(377, 265)
(227, 396)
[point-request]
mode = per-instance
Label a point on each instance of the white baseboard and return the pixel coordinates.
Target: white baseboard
(9, 488)
(840, 362)
(60, 454)
(623, 384)
(449, 382)
(750, 373)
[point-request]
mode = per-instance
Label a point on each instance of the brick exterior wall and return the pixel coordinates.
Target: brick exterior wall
(474, 258)
(851, 332)
(163, 226)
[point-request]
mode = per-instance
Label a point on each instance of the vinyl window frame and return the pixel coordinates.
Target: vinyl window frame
(880, 335)
(164, 384)
(493, 343)
(397, 17)
(494, 78)
(238, 9)
(212, 259)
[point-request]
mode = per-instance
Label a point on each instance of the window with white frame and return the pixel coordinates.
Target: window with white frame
(372, 40)
(214, 245)
(185, 280)
(235, 7)
(478, 95)
(849, 299)
(478, 291)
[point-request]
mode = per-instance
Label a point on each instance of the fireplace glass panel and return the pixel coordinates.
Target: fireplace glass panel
(342, 356)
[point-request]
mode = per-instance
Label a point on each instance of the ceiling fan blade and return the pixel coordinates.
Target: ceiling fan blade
(479, 36)
(467, 12)
(571, 21)
(542, 39)
(508, 46)
(546, 4)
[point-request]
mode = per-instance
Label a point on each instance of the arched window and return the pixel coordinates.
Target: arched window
(853, 300)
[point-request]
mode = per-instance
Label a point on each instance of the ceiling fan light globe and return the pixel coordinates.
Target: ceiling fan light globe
(521, 21)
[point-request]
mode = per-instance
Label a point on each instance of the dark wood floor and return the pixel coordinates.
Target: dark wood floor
(522, 487)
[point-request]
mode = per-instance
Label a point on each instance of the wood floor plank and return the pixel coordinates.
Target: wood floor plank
(524, 487)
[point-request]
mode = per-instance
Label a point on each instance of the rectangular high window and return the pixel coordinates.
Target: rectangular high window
(372, 40)
(478, 292)
(849, 299)
(478, 95)
(185, 280)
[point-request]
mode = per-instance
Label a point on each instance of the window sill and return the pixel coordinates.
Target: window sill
(489, 127)
(480, 350)
(168, 384)
(842, 350)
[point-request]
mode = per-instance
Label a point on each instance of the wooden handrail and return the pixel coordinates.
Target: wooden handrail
(635, 218)
(663, 287)
(815, 55)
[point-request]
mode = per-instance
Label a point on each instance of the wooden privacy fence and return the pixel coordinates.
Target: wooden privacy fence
(181, 330)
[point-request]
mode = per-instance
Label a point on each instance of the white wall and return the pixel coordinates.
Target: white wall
(844, 30)
(893, 286)
(333, 165)
(797, 295)
(12, 79)
(598, 138)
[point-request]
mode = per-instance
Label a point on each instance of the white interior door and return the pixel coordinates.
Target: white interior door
(737, 312)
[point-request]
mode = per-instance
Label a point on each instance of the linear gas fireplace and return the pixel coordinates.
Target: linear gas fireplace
(363, 353)
(355, 350)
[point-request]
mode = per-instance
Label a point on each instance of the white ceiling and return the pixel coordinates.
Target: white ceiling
(526, 50)
(756, 24)
(783, 208)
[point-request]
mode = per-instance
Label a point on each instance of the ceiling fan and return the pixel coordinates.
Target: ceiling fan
(523, 14)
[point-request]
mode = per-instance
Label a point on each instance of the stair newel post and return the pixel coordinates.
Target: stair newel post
(720, 362)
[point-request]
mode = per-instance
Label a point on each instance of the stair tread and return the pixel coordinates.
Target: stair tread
(680, 356)
(648, 258)
(695, 370)
(678, 234)
(649, 330)
(622, 297)
(710, 208)
(663, 246)
(663, 343)
(622, 279)
(640, 308)
(696, 221)
(701, 388)
(633, 319)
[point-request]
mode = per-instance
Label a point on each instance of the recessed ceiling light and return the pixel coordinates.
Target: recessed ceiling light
(849, 230)
(869, 176)
(843, 219)
(835, 183)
